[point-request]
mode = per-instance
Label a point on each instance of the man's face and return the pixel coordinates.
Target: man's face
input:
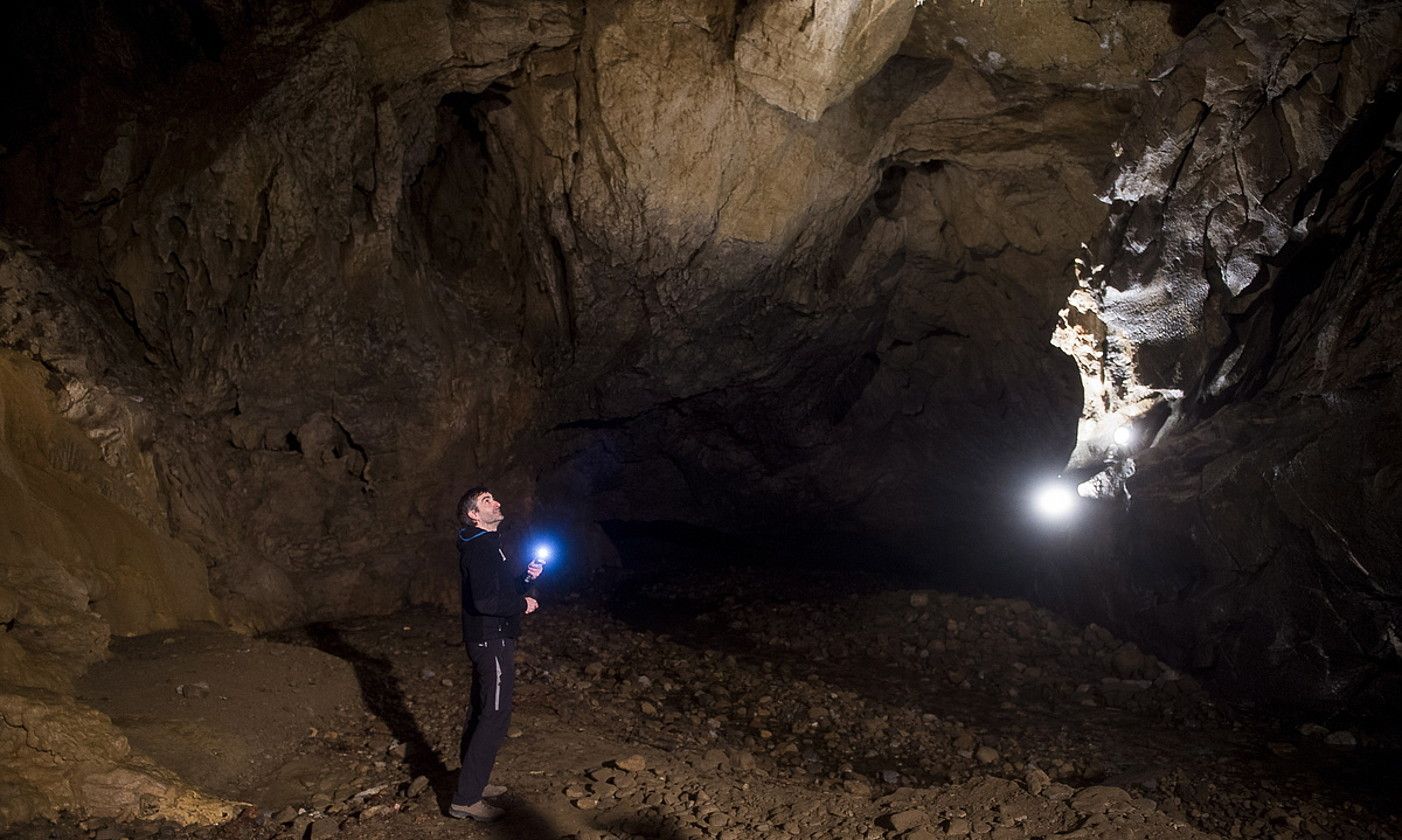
(488, 510)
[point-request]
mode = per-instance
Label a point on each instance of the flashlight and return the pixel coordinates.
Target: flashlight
(1054, 500)
(542, 553)
(1124, 435)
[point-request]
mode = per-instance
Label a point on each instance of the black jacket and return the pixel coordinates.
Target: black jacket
(493, 589)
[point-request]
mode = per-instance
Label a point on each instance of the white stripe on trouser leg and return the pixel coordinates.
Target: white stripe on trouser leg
(496, 703)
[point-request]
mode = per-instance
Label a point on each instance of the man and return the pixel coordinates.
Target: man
(493, 600)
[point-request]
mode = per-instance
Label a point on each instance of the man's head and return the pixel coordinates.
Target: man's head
(479, 508)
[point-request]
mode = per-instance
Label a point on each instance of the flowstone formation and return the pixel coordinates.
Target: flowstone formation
(1241, 323)
(77, 567)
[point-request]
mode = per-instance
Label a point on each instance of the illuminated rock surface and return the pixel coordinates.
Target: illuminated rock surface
(806, 56)
(1248, 312)
(277, 282)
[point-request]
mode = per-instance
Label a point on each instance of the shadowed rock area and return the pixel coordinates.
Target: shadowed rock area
(783, 282)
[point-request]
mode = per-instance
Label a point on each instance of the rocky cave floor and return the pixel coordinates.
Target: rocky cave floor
(733, 705)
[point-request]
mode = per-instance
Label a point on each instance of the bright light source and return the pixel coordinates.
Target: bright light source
(543, 552)
(1124, 435)
(1054, 500)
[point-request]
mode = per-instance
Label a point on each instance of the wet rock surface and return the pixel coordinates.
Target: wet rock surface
(770, 710)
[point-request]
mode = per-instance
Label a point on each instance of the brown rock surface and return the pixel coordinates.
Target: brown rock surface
(59, 754)
(791, 715)
(327, 345)
(79, 565)
(1076, 42)
(805, 56)
(293, 276)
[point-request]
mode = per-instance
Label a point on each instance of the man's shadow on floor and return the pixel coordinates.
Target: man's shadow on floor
(380, 690)
(384, 698)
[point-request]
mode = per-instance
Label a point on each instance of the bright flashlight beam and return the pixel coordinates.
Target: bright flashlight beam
(1054, 500)
(1124, 435)
(543, 553)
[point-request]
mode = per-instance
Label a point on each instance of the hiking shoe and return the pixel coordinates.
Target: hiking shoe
(493, 790)
(481, 811)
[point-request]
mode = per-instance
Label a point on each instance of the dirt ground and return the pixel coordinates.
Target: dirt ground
(733, 707)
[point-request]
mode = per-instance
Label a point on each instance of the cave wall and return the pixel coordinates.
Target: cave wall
(302, 275)
(1259, 546)
(79, 566)
(819, 276)
(80, 563)
(261, 272)
(370, 274)
(1243, 319)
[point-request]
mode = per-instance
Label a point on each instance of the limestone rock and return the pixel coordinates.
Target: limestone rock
(803, 56)
(1104, 45)
(1232, 273)
(296, 432)
(901, 821)
(577, 250)
(62, 755)
(78, 565)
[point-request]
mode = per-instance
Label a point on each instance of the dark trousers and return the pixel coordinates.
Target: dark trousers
(493, 679)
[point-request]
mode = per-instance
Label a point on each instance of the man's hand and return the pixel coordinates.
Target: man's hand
(531, 605)
(533, 571)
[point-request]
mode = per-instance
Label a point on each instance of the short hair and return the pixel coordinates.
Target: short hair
(468, 502)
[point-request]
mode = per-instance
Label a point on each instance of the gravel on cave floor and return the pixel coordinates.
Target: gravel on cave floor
(696, 707)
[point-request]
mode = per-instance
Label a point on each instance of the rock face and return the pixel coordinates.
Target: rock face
(302, 275)
(61, 755)
(78, 564)
(1241, 318)
(288, 224)
(804, 56)
(508, 253)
